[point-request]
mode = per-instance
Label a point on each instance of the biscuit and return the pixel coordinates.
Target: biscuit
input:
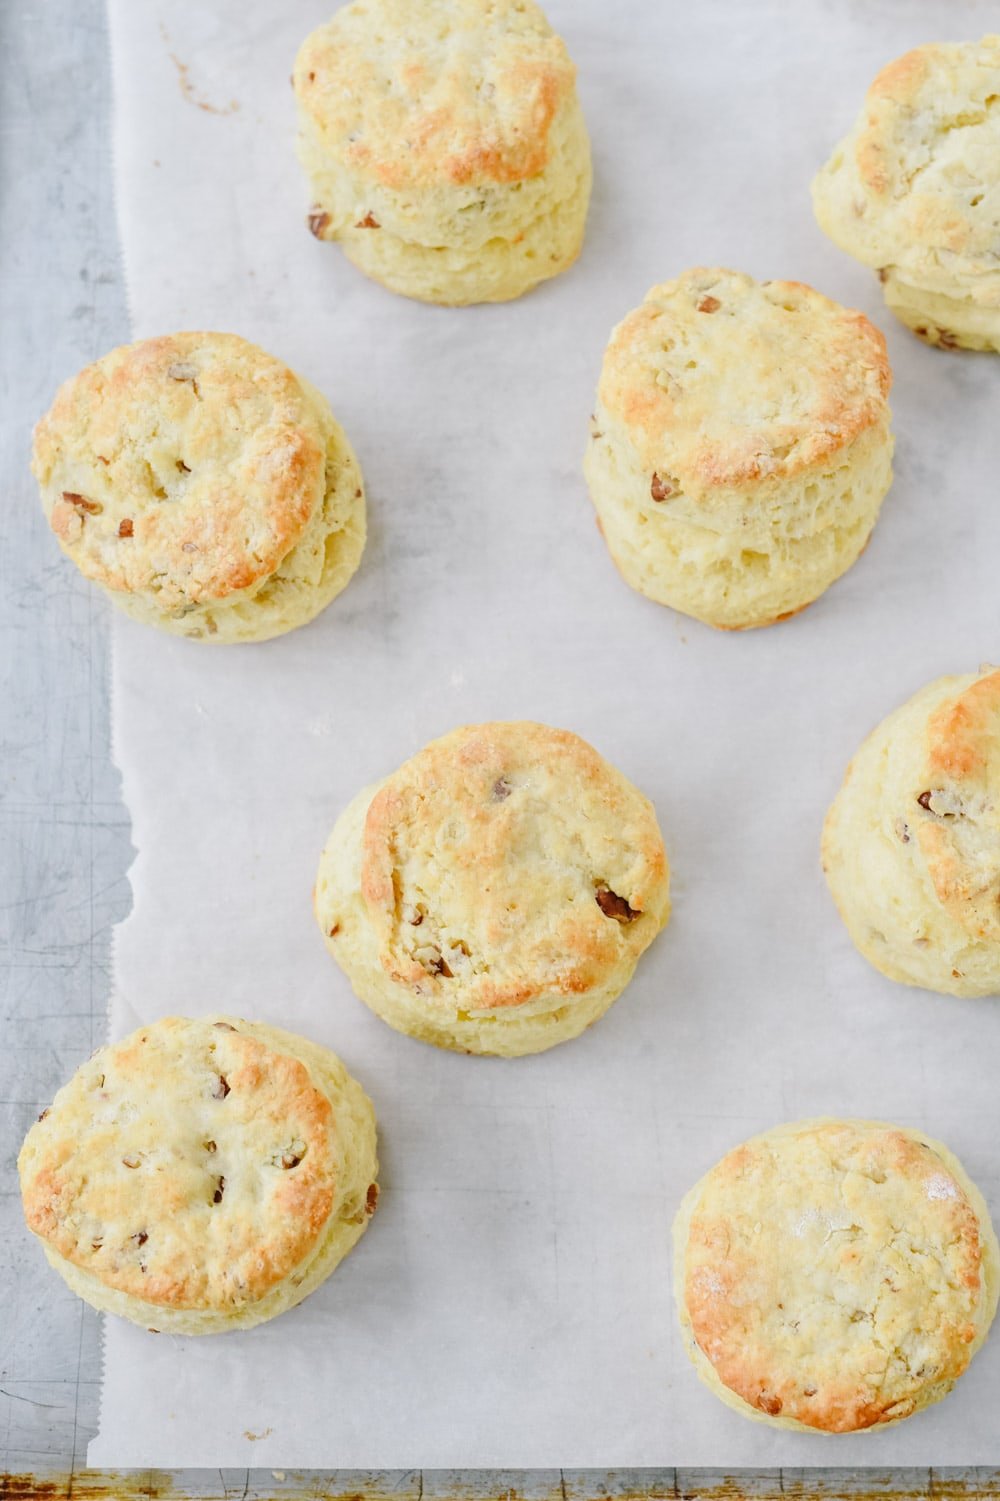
(834, 1275)
(911, 844)
(201, 1175)
(740, 446)
(205, 486)
(914, 191)
(444, 145)
(495, 893)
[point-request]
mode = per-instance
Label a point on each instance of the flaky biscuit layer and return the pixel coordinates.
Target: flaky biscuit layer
(740, 445)
(201, 1175)
(494, 894)
(204, 485)
(835, 1275)
(914, 190)
(444, 145)
(911, 843)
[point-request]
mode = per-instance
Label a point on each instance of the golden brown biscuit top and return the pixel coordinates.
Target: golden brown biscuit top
(184, 467)
(436, 92)
(509, 861)
(925, 160)
(956, 816)
(723, 381)
(191, 1166)
(832, 1273)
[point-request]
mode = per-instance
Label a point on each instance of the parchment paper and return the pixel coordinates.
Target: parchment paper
(510, 1305)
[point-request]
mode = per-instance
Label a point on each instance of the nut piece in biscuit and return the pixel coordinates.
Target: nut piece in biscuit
(914, 191)
(203, 1175)
(444, 145)
(495, 893)
(834, 1275)
(911, 844)
(205, 486)
(740, 446)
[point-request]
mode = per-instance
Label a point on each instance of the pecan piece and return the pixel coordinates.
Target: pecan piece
(660, 489)
(613, 905)
(501, 790)
(92, 507)
(368, 222)
(371, 1198)
(221, 1088)
(125, 528)
(219, 1191)
(709, 304)
(925, 800)
(318, 221)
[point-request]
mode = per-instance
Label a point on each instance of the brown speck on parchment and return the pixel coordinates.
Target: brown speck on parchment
(187, 87)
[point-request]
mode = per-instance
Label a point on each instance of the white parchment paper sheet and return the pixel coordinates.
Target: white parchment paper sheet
(510, 1305)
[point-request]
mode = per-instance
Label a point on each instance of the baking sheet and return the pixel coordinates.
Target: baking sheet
(510, 1305)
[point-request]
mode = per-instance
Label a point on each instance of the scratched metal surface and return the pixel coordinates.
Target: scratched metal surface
(64, 842)
(64, 835)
